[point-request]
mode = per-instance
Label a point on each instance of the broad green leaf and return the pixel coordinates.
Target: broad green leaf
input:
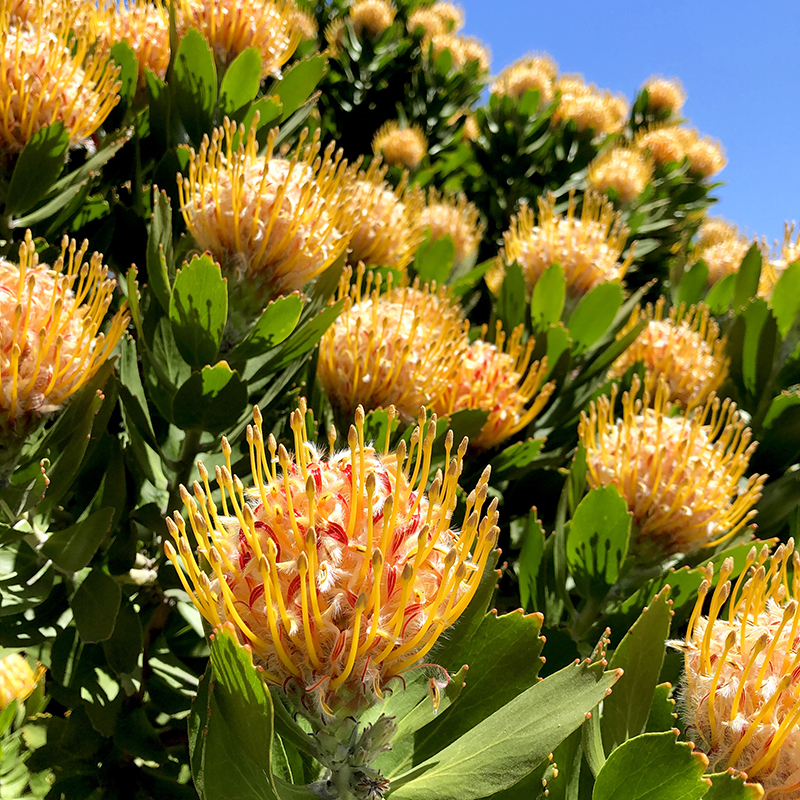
(126, 60)
(779, 439)
(730, 786)
(547, 302)
(72, 548)
(594, 314)
(37, 167)
(159, 249)
(530, 559)
(25, 582)
(512, 742)
(274, 326)
(653, 766)
(211, 400)
(693, 284)
(241, 82)
(268, 110)
(95, 606)
(198, 310)
(123, 648)
(720, 296)
(461, 285)
(785, 300)
(640, 654)
(662, 710)
(194, 85)
(517, 460)
(752, 345)
(511, 301)
(433, 260)
(597, 541)
(745, 285)
(298, 82)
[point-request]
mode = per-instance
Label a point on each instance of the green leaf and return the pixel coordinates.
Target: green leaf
(72, 548)
(38, 166)
(433, 260)
(198, 310)
(298, 82)
(653, 766)
(462, 284)
(274, 326)
(512, 742)
(194, 85)
(210, 400)
(720, 296)
(597, 541)
(126, 60)
(594, 314)
(693, 284)
(548, 298)
(785, 300)
(24, 581)
(95, 606)
(159, 249)
(640, 654)
(511, 302)
(123, 648)
(517, 460)
(745, 285)
(530, 559)
(731, 786)
(662, 710)
(241, 82)
(752, 345)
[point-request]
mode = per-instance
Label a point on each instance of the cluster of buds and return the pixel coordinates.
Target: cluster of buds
(340, 572)
(400, 146)
(17, 679)
(684, 350)
(680, 475)
(624, 170)
(742, 671)
(534, 72)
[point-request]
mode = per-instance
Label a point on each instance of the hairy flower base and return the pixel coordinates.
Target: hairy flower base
(740, 693)
(679, 475)
(340, 572)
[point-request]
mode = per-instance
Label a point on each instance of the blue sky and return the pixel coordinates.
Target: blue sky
(739, 64)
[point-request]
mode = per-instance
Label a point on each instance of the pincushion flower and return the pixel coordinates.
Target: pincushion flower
(400, 147)
(498, 378)
(664, 145)
(340, 571)
(49, 77)
(451, 15)
(589, 247)
(371, 17)
(625, 170)
(674, 143)
(684, 350)
(722, 247)
(680, 475)
(463, 50)
(272, 223)
(456, 217)
(774, 266)
(50, 339)
(590, 108)
(17, 679)
(664, 94)
(532, 72)
(739, 690)
(384, 227)
(231, 27)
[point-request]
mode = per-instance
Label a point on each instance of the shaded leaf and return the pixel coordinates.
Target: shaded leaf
(73, 548)
(211, 400)
(95, 606)
(37, 167)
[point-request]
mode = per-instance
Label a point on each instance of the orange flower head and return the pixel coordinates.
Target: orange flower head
(48, 76)
(706, 155)
(498, 378)
(231, 27)
(722, 248)
(454, 216)
(588, 247)
(679, 474)
(339, 571)
(50, 340)
(451, 15)
(588, 107)
(372, 17)
(400, 147)
(665, 94)
(664, 145)
(463, 49)
(272, 223)
(385, 230)
(17, 679)
(305, 23)
(531, 72)
(397, 348)
(684, 350)
(739, 690)
(625, 170)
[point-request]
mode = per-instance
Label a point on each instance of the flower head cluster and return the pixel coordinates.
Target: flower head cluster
(456, 217)
(625, 170)
(680, 475)
(665, 94)
(741, 677)
(392, 348)
(384, 229)
(272, 223)
(50, 317)
(674, 143)
(371, 17)
(591, 109)
(17, 679)
(463, 50)
(441, 17)
(532, 72)
(400, 147)
(773, 267)
(589, 247)
(230, 28)
(339, 571)
(48, 77)
(721, 247)
(684, 350)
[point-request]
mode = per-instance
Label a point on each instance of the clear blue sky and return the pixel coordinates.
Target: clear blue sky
(739, 64)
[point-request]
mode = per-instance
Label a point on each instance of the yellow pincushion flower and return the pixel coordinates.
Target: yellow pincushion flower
(397, 348)
(451, 15)
(17, 679)
(674, 143)
(400, 147)
(48, 77)
(384, 229)
(706, 155)
(50, 340)
(722, 247)
(231, 27)
(739, 691)
(339, 571)
(590, 108)
(272, 223)
(463, 49)
(372, 17)
(589, 247)
(684, 350)
(665, 94)
(623, 169)
(774, 267)
(531, 72)
(680, 475)
(426, 19)
(454, 216)
(498, 378)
